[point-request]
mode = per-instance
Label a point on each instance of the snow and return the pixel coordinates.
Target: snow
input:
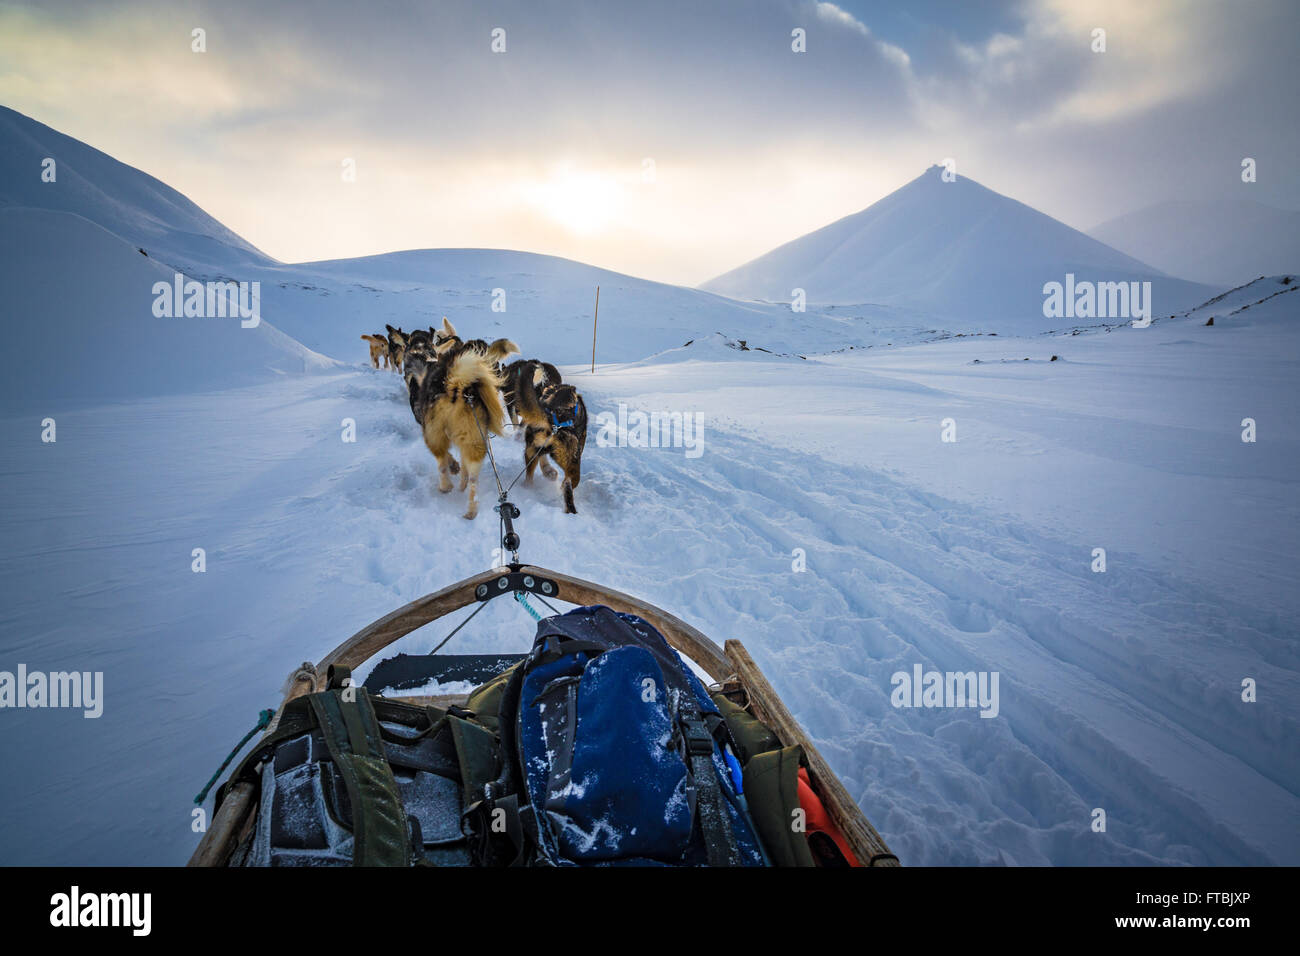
(433, 688)
(1118, 690)
(603, 834)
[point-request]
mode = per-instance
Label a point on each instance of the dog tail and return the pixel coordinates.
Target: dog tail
(471, 374)
(545, 374)
(526, 385)
(580, 418)
(499, 349)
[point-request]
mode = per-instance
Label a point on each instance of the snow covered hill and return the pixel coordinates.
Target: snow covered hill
(544, 303)
(125, 201)
(1226, 242)
(953, 249)
(79, 314)
(81, 259)
(1232, 308)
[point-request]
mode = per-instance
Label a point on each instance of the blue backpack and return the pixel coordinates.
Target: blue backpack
(614, 753)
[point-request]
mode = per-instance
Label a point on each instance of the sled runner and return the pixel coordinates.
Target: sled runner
(598, 746)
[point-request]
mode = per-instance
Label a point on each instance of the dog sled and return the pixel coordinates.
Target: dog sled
(384, 801)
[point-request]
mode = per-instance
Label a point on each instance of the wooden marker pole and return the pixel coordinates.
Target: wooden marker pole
(595, 316)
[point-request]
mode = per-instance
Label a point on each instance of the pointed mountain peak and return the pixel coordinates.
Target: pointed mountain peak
(949, 247)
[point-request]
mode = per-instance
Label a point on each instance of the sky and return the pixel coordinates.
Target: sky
(669, 140)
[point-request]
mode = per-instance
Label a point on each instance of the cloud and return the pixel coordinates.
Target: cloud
(1049, 75)
(830, 13)
(136, 64)
(753, 143)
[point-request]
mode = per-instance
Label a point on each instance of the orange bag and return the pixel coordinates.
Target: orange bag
(820, 822)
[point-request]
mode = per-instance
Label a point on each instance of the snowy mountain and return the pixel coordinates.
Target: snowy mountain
(1221, 241)
(129, 203)
(954, 249)
(83, 255)
(82, 301)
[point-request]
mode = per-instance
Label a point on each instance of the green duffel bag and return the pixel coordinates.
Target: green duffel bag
(772, 789)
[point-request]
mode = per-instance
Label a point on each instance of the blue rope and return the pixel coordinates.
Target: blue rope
(523, 599)
(263, 721)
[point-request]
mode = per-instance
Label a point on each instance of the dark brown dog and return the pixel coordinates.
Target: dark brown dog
(555, 421)
(396, 347)
(539, 373)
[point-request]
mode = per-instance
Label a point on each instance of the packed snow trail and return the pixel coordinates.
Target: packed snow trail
(1117, 691)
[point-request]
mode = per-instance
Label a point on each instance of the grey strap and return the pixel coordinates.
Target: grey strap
(715, 827)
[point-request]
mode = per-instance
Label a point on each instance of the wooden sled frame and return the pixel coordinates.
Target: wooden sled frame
(732, 668)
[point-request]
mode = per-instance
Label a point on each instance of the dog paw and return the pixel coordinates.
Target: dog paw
(548, 472)
(470, 515)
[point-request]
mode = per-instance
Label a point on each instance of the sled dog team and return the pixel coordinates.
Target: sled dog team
(460, 394)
